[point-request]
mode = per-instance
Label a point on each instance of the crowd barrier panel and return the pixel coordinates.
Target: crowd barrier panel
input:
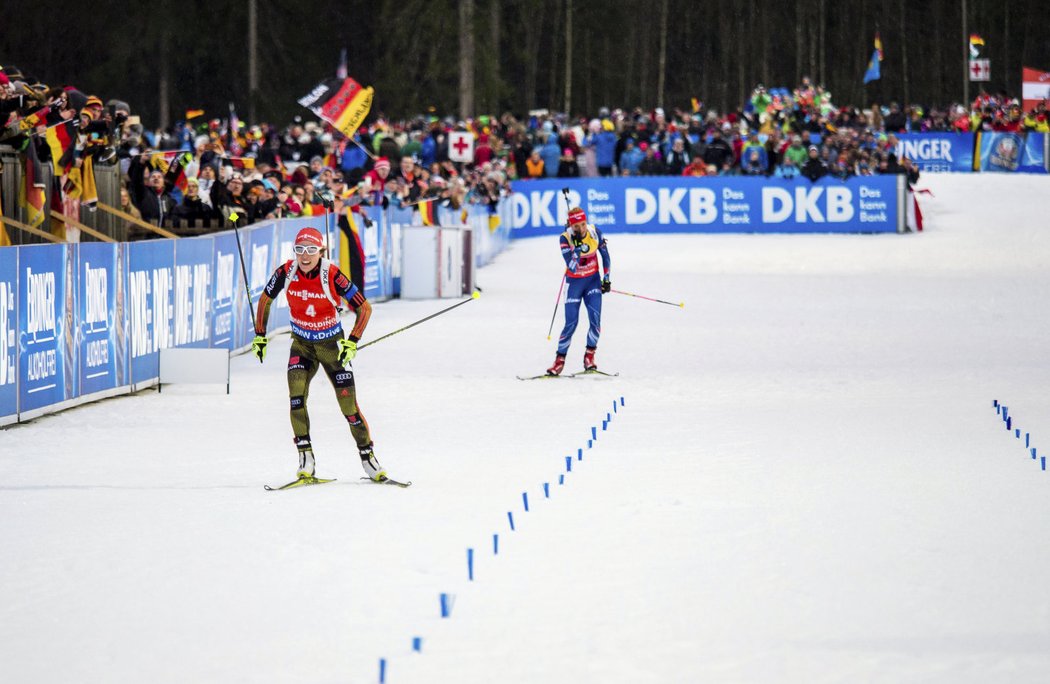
(81, 321)
(985, 151)
(713, 204)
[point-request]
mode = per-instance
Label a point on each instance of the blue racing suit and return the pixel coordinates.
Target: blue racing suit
(585, 284)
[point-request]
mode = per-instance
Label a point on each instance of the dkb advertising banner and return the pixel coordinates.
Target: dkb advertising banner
(730, 204)
(8, 332)
(45, 321)
(226, 274)
(193, 291)
(1011, 152)
(151, 310)
(97, 282)
(937, 152)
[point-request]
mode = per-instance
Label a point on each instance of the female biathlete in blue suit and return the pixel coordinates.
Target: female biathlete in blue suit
(580, 246)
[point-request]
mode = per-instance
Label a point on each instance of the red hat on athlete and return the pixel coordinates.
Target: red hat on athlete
(309, 236)
(577, 215)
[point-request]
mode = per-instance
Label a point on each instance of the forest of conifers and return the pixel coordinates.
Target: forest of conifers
(165, 57)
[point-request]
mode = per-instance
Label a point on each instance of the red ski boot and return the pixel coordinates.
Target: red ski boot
(588, 360)
(559, 365)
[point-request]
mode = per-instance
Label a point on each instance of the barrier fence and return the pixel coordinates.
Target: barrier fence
(985, 151)
(714, 204)
(81, 321)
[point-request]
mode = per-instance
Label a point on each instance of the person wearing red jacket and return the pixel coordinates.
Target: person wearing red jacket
(314, 286)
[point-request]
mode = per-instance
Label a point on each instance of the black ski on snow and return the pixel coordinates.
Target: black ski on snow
(300, 482)
(388, 481)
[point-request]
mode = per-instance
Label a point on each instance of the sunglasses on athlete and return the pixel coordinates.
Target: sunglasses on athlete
(306, 249)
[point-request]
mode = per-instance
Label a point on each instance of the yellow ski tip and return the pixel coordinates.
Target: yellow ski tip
(476, 294)
(234, 216)
(682, 304)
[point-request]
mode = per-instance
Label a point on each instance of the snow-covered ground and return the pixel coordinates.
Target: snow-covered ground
(807, 482)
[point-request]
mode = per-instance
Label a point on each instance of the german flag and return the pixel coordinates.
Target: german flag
(343, 103)
(32, 190)
(194, 113)
(60, 140)
(428, 212)
(242, 163)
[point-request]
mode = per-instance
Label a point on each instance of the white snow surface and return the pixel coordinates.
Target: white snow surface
(807, 482)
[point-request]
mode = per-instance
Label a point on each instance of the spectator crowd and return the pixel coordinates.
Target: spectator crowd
(221, 170)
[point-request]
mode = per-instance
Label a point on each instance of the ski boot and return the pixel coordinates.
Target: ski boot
(373, 470)
(559, 365)
(306, 458)
(588, 359)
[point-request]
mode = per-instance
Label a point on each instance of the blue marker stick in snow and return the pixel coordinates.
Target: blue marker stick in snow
(446, 605)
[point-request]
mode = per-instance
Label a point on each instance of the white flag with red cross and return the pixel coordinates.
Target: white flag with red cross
(461, 146)
(980, 69)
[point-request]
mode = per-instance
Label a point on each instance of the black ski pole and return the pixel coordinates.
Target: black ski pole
(474, 296)
(568, 206)
(244, 271)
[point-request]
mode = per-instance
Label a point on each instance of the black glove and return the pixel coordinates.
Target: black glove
(606, 285)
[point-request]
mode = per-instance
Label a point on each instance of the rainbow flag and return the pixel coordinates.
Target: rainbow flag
(342, 103)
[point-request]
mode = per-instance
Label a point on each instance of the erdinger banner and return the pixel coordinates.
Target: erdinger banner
(8, 333)
(1010, 152)
(732, 204)
(46, 310)
(937, 152)
(100, 338)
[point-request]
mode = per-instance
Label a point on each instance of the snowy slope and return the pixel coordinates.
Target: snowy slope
(807, 482)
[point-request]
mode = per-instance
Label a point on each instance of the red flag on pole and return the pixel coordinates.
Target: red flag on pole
(1035, 87)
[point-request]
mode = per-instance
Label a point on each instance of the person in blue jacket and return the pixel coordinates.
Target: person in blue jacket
(580, 246)
(604, 144)
(551, 155)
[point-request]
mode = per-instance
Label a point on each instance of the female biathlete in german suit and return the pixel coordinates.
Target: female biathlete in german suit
(314, 286)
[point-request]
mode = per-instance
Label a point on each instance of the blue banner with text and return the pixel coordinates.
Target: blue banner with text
(729, 204)
(8, 332)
